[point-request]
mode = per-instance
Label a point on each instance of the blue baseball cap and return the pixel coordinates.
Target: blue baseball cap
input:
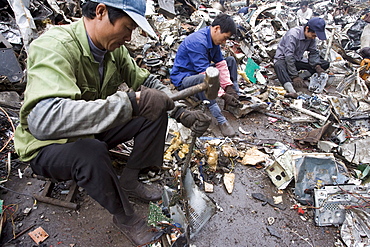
(318, 25)
(135, 9)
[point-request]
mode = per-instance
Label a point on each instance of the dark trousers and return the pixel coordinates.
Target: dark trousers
(282, 71)
(197, 79)
(88, 162)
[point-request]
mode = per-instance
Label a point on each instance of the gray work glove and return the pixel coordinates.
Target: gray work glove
(153, 103)
(319, 69)
(230, 90)
(230, 100)
(197, 121)
(297, 82)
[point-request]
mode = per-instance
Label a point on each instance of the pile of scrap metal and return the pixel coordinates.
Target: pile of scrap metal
(324, 184)
(20, 23)
(341, 120)
(272, 19)
(258, 33)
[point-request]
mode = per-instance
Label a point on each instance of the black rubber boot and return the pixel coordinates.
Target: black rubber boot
(136, 230)
(135, 189)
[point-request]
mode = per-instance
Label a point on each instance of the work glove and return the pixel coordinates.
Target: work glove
(297, 82)
(230, 100)
(319, 69)
(230, 90)
(153, 103)
(197, 121)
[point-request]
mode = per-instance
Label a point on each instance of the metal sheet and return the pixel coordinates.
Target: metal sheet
(9, 65)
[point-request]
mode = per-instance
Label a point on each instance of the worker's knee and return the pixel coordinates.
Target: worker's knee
(279, 66)
(230, 61)
(192, 81)
(91, 153)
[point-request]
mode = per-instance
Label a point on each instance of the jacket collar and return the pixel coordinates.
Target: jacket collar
(301, 33)
(81, 35)
(209, 37)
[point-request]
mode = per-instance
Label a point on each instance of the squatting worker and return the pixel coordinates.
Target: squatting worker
(288, 60)
(200, 50)
(73, 114)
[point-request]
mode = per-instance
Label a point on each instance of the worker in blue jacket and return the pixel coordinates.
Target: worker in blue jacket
(200, 50)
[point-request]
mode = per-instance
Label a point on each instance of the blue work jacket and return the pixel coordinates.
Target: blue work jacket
(195, 55)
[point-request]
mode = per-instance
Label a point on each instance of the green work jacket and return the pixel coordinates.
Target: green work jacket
(60, 64)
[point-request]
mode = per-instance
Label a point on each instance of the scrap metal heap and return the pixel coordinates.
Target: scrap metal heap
(331, 117)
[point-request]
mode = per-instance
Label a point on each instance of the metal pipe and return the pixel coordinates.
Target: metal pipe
(310, 113)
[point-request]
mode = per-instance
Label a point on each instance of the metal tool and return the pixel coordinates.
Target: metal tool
(210, 85)
(192, 144)
(199, 208)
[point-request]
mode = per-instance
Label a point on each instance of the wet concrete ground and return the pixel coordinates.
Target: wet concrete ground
(243, 220)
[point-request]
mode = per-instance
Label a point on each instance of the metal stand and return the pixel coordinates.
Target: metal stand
(67, 203)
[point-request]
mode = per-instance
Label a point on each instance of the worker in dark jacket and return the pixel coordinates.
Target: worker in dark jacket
(288, 60)
(73, 113)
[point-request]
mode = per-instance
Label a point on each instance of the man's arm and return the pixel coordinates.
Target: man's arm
(290, 45)
(198, 53)
(54, 107)
(153, 82)
(313, 55)
(56, 118)
(224, 74)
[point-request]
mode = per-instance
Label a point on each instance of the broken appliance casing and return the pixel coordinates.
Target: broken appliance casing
(281, 171)
(315, 170)
(279, 175)
(333, 201)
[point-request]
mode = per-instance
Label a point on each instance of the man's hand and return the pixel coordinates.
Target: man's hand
(297, 82)
(153, 103)
(230, 90)
(230, 100)
(197, 121)
(319, 69)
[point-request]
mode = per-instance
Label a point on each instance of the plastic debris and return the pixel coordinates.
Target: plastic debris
(253, 156)
(318, 82)
(273, 231)
(278, 199)
(314, 170)
(264, 199)
(208, 187)
(270, 220)
(281, 170)
(229, 151)
(229, 179)
(356, 151)
(212, 157)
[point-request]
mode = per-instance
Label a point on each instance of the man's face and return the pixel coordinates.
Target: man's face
(309, 35)
(110, 36)
(219, 38)
(304, 8)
